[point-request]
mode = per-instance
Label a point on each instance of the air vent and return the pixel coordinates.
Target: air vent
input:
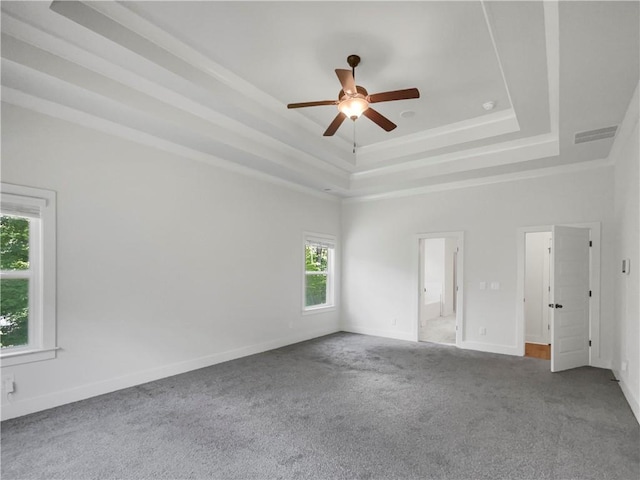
(598, 134)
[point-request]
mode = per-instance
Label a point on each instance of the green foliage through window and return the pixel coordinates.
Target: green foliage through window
(14, 312)
(14, 243)
(316, 267)
(14, 292)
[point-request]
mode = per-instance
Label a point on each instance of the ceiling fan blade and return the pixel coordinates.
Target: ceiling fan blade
(379, 119)
(347, 81)
(312, 104)
(394, 95)
(335, 124)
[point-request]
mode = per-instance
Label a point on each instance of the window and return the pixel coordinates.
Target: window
(27, 275)
(319, 281)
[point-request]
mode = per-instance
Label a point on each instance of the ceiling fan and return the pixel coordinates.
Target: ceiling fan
(354, 100)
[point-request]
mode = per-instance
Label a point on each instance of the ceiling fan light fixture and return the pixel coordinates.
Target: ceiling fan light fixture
(353, 106)
(353, 100)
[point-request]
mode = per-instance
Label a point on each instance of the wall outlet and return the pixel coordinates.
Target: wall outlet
(624, 366)
(483, 330)
(495, 285)
(8, 384)
(626, 266)
(394, 322)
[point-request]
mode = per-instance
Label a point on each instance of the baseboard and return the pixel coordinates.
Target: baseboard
(493, 348)
(600, 363)
(379, 333)
(411, 337)
(44, 402)
(628, 394)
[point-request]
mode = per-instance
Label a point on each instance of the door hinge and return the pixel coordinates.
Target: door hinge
(589, 292)
(589, 342)
(590, 243)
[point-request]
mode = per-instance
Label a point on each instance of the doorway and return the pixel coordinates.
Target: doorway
(537, 293)
(563, 311)
(439, 312)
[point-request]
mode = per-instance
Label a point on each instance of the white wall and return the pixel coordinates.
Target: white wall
(536, 283)
(380, 249)
(625, 153)
(164, 264)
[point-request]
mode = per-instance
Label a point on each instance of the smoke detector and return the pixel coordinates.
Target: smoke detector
(488, 106)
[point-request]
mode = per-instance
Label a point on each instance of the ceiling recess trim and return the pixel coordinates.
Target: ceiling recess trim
(192, 69)
(52, 109)
(376, 167)
(80, 12)
(489, 180)
(485, 126)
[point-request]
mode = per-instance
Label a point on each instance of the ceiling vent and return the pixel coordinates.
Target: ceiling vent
(598, 134)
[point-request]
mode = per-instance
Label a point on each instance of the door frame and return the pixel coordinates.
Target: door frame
(459, 236)
(594, 283)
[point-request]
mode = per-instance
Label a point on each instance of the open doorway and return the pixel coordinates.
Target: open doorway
(537, 294)
(439, 309)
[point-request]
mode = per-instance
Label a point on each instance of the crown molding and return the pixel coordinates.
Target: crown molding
(485, 126)
(20, 99)
(513, 151)
(489, 180)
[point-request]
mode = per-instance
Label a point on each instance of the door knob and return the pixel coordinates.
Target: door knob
(558, 305)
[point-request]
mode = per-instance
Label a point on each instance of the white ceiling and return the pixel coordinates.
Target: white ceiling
(211, 80)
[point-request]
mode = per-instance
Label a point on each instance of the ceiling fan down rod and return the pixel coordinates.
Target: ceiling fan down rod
(353, 61)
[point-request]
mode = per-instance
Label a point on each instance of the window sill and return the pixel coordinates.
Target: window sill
(18, 357)
(321, 309)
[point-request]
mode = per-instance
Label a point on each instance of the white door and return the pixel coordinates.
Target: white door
(570, 298)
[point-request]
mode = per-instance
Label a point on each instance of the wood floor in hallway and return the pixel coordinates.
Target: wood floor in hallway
(537, 350)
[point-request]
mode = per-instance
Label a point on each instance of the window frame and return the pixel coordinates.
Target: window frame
(39, 206)
(330, 241)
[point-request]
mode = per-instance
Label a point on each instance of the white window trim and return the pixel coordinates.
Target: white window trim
(331, 241)
(42, 316)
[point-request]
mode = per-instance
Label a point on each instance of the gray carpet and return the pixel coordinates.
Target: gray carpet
(341, 407)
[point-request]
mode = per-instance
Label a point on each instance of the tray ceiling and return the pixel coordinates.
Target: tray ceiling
(211, 80)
